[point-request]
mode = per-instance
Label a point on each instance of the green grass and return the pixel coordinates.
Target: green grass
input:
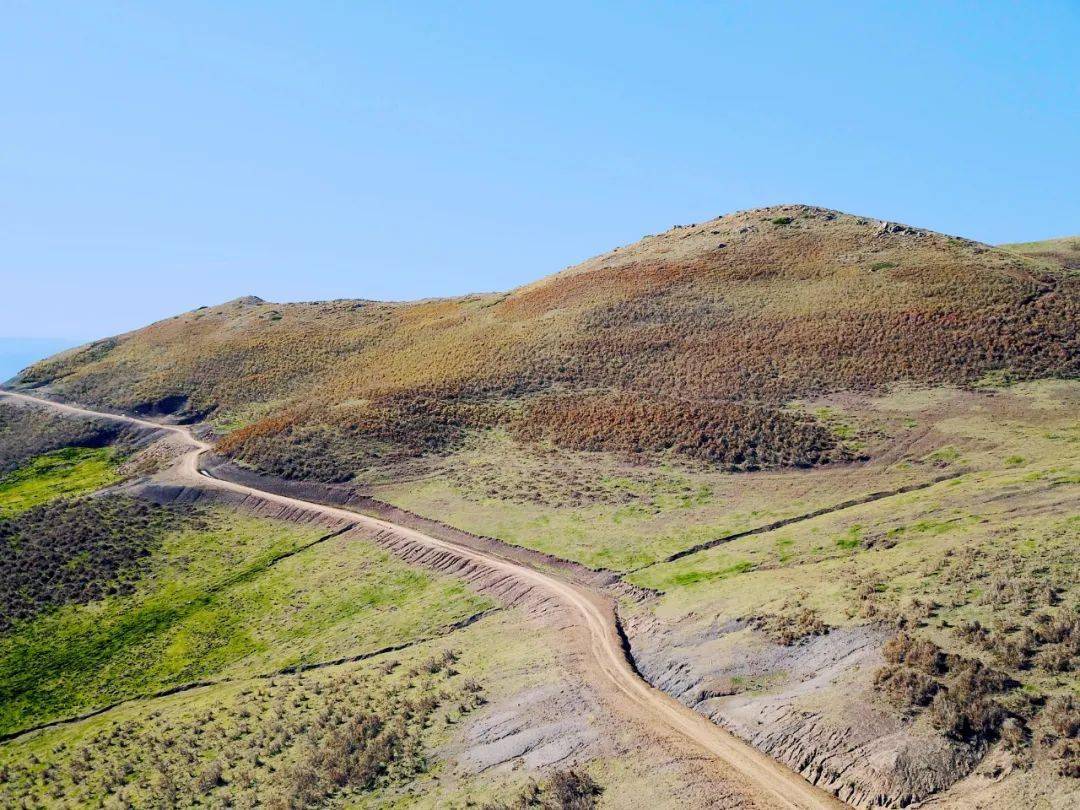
(61, 473)
(817, 561)
(945, 454)
(851, 538)
(629, 515)
(213, 605)
(695, 577)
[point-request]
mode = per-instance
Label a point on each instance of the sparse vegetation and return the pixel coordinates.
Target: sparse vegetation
(76, 551)
(290, 742)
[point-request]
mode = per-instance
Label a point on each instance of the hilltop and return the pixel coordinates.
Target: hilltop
(686, 342)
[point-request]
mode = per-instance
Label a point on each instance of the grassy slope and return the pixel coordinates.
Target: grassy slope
(1021, 454)
(212, 606)
(61, 473)
(605, 511)
(997, 546)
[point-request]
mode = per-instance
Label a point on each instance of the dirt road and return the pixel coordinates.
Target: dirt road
(767, 780)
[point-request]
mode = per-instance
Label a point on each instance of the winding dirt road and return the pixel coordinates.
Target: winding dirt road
(767, 780)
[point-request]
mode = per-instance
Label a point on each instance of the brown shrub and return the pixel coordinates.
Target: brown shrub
(959, 690)
(573, 790)
(920, 654)
(728, 434)
(1062, 713)
(905, 687)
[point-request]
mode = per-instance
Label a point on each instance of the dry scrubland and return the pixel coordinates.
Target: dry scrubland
(953, 610)
(902, 401)
(687, 343)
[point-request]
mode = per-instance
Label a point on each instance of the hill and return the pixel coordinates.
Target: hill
(829, 495)
(1064, 252)
(688, 342)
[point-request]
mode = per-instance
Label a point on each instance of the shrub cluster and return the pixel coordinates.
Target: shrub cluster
(285, 743)
(959, 692)
(569, 789)
(791, 626)
(332, 444)
(1062, 737)
(728, 434)
(76, 551)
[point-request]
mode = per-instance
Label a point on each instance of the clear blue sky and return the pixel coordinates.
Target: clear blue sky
(156, 157)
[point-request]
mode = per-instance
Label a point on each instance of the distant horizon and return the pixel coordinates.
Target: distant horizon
(16, 353)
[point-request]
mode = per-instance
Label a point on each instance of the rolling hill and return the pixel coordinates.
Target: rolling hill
(689, 342)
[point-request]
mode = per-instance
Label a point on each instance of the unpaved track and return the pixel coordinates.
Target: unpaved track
(764, 778)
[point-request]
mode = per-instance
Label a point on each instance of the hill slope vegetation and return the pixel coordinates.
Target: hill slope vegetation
(689, 342)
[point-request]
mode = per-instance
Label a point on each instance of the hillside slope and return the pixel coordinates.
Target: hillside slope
(1064, 251)
(688, 342)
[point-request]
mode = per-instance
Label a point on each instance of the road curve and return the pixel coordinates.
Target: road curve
(774, 782)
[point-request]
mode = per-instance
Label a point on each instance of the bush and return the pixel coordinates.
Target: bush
(905, 687)
(564, 790)
(573, 790)
(958, 691)
(1062, 713)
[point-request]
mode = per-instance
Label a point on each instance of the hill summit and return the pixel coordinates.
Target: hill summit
(688, 342)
